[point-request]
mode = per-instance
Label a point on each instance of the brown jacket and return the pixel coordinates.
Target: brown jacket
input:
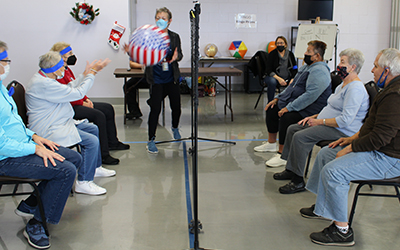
(381, 130)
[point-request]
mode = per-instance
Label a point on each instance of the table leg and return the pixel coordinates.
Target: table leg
(125, 92)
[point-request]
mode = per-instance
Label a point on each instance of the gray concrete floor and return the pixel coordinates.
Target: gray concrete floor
(239, 203)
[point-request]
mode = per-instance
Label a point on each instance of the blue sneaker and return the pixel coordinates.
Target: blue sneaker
(177, 136)
(151, 147)
(24, 210)
(36, 236)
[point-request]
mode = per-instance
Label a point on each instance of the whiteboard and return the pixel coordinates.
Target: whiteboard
(309, 32)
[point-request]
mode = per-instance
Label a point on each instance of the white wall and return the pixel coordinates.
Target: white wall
(31, 27)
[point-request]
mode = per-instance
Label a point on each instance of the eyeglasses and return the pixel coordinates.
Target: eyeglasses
(7, 61)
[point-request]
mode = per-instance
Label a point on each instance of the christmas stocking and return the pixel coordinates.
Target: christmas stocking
(116, 32)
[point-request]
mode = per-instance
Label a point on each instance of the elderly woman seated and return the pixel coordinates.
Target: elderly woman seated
(50, 115)
(342, 117)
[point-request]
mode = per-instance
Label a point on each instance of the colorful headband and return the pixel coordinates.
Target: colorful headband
(54, 68)
(66, 50)
(3, 55)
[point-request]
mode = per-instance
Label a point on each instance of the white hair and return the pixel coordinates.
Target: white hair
(49, 59)
(355, 57)
(390, 58)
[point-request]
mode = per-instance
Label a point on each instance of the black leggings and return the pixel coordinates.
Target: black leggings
(103, 116)
(157, 93)
(275, 123)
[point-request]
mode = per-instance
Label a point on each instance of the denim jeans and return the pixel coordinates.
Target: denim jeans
(300, 140)
(271, 84)
(335, 177)
(57, 183)
(90, 150)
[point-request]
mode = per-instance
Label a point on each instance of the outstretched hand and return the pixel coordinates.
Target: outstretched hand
(96, 66)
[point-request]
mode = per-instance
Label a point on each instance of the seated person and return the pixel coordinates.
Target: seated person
(306, 96)
(100, 113)
(342, 117)
(50, 115)
(281, 67)
(130, 95)
(24, 154)
(370, 154)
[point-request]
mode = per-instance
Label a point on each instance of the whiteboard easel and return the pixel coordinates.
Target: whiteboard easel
(323, 32)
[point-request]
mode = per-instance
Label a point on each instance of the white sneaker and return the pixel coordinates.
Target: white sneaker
(89, 187)
(266, 147)
(104, 172)
(275, 161)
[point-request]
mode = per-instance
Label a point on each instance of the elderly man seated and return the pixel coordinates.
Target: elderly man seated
(370, 154)
(50, 115)
(25, 154)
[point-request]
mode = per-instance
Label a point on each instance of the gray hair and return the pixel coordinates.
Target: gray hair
(164, 9)
(49, 59)
(390, 58)
(3, 45)
(355, 56)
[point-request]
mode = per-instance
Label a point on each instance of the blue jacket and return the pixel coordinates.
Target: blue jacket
(15, 138)
(309, 90)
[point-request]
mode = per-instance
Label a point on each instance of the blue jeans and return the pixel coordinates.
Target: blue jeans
(271, 84)
(90, 151)
(335, 177)
(57, 182)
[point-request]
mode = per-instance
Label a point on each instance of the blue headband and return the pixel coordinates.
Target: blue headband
(54, 68)
(66, 50)
(3, 55)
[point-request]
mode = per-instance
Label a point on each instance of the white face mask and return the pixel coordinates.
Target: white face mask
(6, 71)
(61, 76)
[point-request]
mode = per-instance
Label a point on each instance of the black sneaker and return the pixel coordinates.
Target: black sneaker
(109, 160)
(308, 212)
(134, 115)
(284, 175)
(119, 146)
(331, 236)
(292, 188)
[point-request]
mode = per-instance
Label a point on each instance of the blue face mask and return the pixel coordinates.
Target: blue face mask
(162, 24)
(379, 83)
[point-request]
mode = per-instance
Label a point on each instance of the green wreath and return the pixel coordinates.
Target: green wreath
(83, 13)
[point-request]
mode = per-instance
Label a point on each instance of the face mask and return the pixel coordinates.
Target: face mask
(71, 60)
(60, 76)
(379, 83)
(280, 48)
(6, 71)
(342, 72)
(162, 24)
(307, 59)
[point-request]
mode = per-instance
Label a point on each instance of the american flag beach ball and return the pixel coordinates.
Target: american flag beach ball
(148, 45)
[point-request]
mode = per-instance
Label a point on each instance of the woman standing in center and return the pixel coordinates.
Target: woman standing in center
(164, 80)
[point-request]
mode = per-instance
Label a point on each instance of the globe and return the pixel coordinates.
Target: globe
(211, 50)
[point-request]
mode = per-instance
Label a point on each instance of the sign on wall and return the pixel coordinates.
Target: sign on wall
(245, 21)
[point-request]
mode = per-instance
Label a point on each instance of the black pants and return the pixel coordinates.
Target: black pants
(130, 95)
(103, 116)
(275, 123)
(157, 93)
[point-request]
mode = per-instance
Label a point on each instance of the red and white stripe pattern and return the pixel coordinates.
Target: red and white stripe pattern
(148, 45)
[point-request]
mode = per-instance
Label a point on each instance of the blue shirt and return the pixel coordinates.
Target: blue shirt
(309, 90)
(159, 75)
(349, 106)
(15, 138)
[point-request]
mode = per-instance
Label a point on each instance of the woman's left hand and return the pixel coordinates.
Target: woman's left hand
(88, 103)
(314, 122)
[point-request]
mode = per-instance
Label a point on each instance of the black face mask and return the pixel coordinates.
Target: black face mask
(71, 60)
(280, 48)
(307, 59)
(342, 72)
